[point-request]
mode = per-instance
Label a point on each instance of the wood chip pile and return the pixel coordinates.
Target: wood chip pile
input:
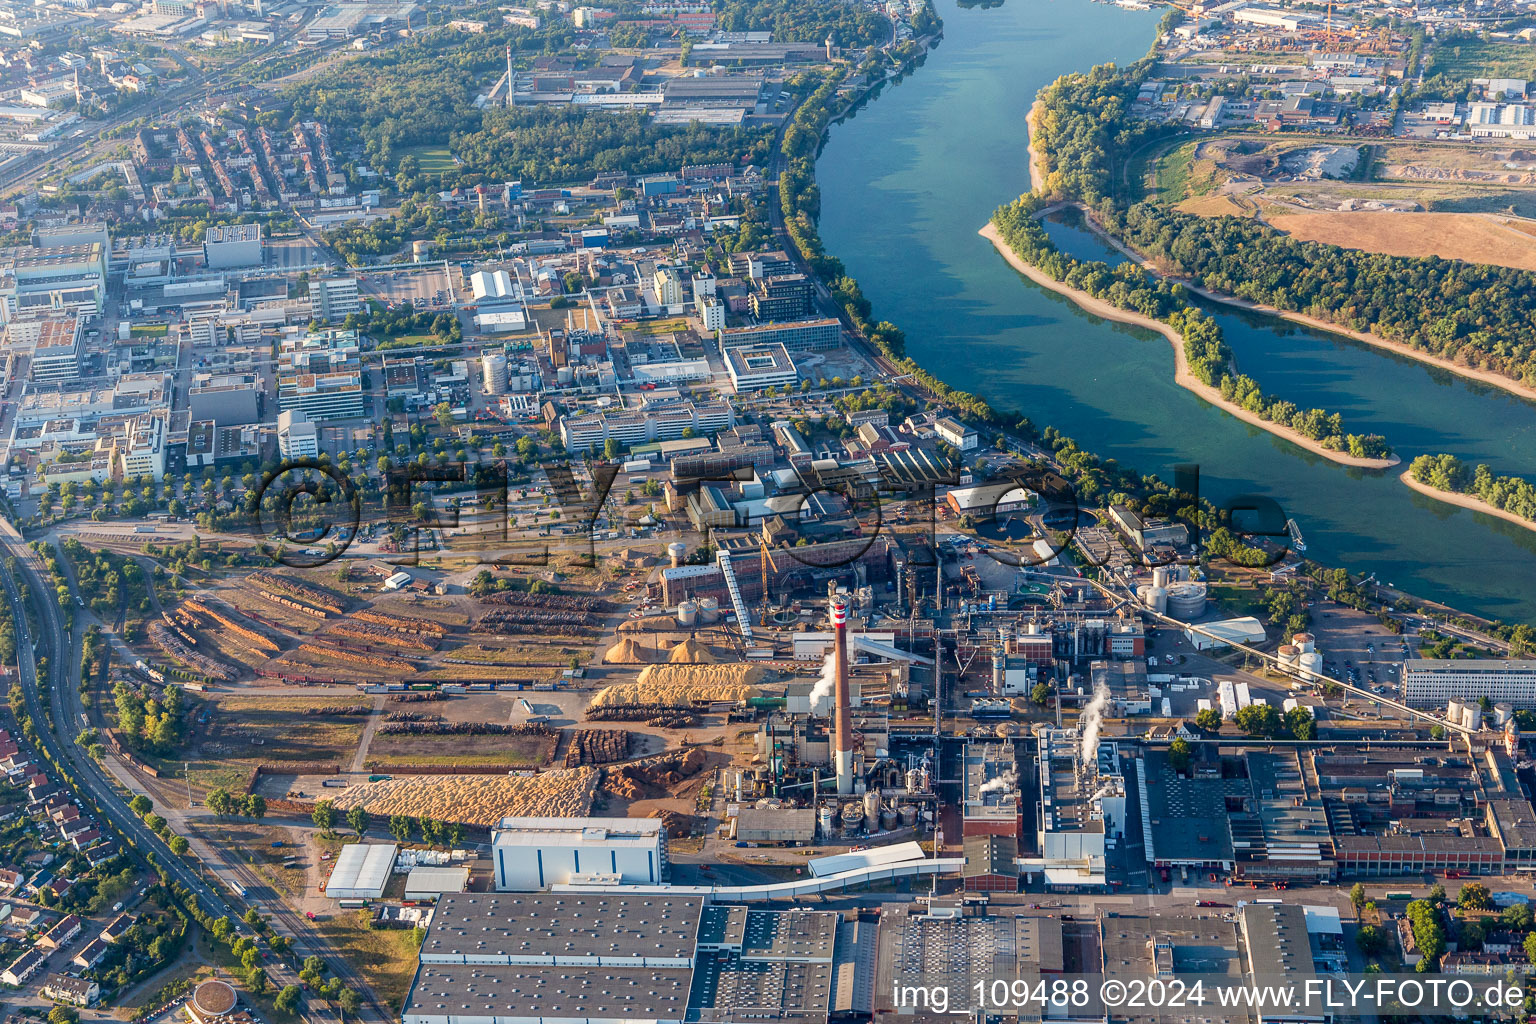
(481, 800)
(685, 684)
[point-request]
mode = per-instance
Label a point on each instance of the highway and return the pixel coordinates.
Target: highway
(63, 649)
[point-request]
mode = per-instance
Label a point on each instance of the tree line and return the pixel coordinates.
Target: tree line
(1128, 286)
(1447, 473)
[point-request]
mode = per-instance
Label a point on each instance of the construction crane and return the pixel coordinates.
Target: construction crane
(765, 563)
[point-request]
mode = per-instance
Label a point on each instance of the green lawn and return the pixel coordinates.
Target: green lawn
(1476, 58)
(1173, 172)
(430, 159)
(148, 330)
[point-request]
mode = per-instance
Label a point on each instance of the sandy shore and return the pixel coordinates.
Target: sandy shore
(1182, 375)
(1036, 168)
(1466, 501)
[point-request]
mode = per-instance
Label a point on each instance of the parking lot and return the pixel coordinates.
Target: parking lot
(428, 286)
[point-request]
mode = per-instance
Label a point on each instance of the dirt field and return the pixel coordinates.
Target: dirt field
(1462, 236)
(275, 729)
(522, 751)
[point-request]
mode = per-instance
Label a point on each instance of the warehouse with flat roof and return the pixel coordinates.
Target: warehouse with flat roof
(362, 871)
(642, 930)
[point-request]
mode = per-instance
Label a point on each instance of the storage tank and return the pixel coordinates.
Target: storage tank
(421, 249)
(872, 810)
(887, 819)
(676, 552)
(709, 609)
(1502, 715)
(1290, 656)
(1186, 600)
(493, 374)
(687, 613)
(917, 780)
(999, 670)
(1161, 577)
(853, 816)
(1153, 597)
(827, 818)
(1472, 717)
(1311, 664)
(1304, 642)
(565, 375)
(1455, 710)
(908, 815)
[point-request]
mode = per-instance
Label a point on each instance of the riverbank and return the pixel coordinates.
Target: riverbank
(1182, 374)
(1466, 501)
(1497, 380)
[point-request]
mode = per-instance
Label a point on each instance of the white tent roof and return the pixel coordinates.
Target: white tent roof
(879, 857)
(362, 870)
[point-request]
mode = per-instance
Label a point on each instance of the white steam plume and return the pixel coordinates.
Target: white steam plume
(1092, 722)
(825, 689)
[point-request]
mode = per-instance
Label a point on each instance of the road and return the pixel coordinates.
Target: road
(63, 651)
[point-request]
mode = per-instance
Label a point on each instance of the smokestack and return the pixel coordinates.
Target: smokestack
(842, 728)
(509, 76)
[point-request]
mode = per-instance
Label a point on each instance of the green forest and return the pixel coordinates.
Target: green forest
(1476, 314)
(1130, 287)
(1448, 473)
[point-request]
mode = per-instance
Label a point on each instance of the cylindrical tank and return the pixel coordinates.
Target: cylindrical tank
(853, 816)
(908, 815)
(1153, 597)
(565, 375)
(827, 817)
(1455, 709)
(1304, 642)
(676, 552)
(872, 809)
(1311, 664)
(687, 613)
(1290, 656)
(999, 670)
(1186, 600)
(493, 374)
(887, 819)
(1161, 577)
(1007, 729)
(1472, 717)
(709, 609)
(1503, 714)
(421, 249)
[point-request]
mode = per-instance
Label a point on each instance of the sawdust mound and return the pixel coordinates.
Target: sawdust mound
(685, 684)
(627, 652)
(691, 652)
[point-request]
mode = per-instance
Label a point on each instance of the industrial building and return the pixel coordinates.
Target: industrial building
(536, 853)
(1428, 682)
(428, 883)
(797, 336)
(233, 245)
(362, 871)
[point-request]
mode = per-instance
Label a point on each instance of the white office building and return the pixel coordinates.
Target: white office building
(1429, 682)
(233, 245)
(297, 436)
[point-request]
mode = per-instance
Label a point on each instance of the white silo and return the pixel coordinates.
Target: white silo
(709, 609)
(1311, 664)
(687, 613)
(1153, 597)
(1290, 657)
(1455, 710)
(827, 819)
(493, 374)
(676, 552)
(1161, 577)
(1503, 713)
(1304, 642)
(565, 375)
(1472, 716)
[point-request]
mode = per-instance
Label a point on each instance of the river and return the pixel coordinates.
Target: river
(907, 182)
